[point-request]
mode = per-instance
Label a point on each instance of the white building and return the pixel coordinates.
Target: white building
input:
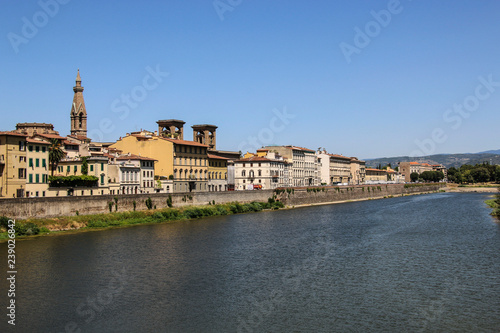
(135, 174)
(257, 172)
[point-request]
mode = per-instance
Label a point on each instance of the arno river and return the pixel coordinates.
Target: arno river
(428, 263)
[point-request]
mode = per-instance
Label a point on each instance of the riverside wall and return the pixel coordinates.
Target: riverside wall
(22, 208)
(347, 193)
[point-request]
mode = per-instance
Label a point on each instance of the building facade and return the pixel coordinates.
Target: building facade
(13, 166)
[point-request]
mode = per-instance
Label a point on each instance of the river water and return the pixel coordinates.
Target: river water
(428, 263)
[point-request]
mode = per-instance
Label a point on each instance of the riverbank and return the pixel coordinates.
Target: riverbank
(34, 227)
(471, 188)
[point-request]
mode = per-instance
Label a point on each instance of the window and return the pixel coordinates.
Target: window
(30, 147)
(43, 151)
(68, 169)
(243, 173)
(37, 149)
(37, 162)
(44, 163)
(30, 163)
(102, 166)
(37, 178)
(75, 169)
(102, 179)
(91, 167)
(30, 178)
(22, 173)
(260, 172)
(22, 146)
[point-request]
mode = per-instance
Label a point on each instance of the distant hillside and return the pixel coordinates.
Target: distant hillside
(496, 152)
(448, 160)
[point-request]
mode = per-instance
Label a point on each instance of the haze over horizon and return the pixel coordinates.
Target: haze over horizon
(365, 79)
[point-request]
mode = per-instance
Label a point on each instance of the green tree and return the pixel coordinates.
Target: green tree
(414, 176)
(56, 154)
(85, 166)
(480, 175)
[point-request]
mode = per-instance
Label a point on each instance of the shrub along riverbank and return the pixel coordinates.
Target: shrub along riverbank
(495, 204)
(33, 226)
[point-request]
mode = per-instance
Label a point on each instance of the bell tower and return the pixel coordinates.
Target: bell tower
(78, 111)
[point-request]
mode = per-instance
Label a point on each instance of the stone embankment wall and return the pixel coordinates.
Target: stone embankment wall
(346, 193)
(22, 208)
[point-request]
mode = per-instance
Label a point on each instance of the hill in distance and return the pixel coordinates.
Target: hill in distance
(448, 160)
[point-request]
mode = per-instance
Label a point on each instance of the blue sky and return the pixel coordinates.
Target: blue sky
(264, 72)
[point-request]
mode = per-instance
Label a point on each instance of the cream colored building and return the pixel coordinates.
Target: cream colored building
(38, 169)
(12, 165)
(258, 172)
(376, 176)
(135, 174)
(305, 170)
(358, 171)
(335, 169)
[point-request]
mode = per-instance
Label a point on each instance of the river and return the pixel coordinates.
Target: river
(427, 263)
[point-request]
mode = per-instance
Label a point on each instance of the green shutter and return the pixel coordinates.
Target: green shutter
(31, 162)
(31, 178)
(37, 178)
(37, 162)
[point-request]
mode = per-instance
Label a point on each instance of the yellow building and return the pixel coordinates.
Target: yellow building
(37, 155)
(217, 173)
(12, 165)
(185, 162)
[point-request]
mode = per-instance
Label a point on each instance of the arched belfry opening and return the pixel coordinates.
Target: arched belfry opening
(171, 128)
(205, 134)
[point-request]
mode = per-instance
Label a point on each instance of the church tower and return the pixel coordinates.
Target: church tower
(78, 111)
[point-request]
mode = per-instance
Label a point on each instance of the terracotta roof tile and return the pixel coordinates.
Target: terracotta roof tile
(12, 133)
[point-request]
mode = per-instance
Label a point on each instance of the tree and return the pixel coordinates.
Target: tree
(414, 176)
(85, 166)
(56, 154)
(480, 175)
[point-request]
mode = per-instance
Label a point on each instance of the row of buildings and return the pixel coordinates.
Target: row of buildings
(162, 161)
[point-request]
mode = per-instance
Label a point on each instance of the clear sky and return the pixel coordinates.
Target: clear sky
(359, 78)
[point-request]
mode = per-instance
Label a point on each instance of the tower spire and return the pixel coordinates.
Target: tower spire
(78, 110)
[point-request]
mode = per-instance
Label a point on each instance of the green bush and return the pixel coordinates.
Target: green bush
(26, 229)
(158, 216)
(149, 203)
(97, 224)
(4, 222)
